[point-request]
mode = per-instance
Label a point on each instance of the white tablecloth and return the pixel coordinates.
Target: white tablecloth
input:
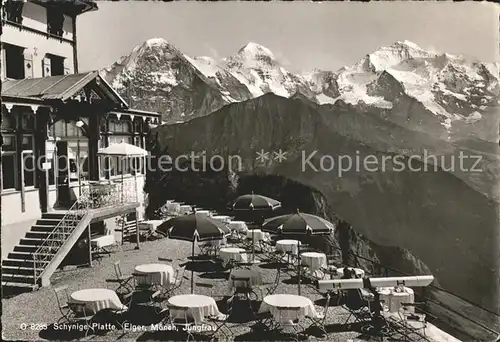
(103, 241)
(199, 307)
(393, 299)
(239, 226)
(158, 274)
(149, 225)
(185, 209)
(254, 279)
(358, 271)
(258, 235)
(273, 302)
(203, 212)
(313, 260)
(173, 207)
(222, 218)
(216, 243)
(98, 299)
(234, 253)
(288, 246)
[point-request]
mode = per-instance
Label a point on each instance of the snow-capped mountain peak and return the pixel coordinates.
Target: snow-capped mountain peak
(254, 51)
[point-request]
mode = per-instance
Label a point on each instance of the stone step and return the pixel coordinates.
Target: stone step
(8, 284)
(17, 270)
(20, 263)
(48, 222)
(42, 228)
(43, 235)
(18, 278)
(52, 216)
(26, 255)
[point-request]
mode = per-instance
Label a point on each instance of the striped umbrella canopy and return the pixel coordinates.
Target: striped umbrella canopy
(298, 224)
(193, 227)
(251, 202)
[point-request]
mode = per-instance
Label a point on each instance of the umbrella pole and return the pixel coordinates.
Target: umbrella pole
(192, 272)
(253, 245)
(299, 262)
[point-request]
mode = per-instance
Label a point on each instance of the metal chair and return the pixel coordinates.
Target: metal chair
(207, 286)
(81, 315)
(320, 319)
(181, 320)
(123, 280)
(221, 320)
(289, 318)
(63, 299)
(415, 323)
(178, 280)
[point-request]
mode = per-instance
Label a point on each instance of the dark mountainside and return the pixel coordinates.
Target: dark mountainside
(443, 222)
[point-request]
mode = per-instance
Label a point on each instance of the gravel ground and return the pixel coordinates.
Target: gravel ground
(38, 310)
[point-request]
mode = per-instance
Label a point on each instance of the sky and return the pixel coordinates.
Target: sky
(302, 35)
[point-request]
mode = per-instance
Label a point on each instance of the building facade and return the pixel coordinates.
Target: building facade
(51, 114)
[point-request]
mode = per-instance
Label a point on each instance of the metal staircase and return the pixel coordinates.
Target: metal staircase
(44, 247)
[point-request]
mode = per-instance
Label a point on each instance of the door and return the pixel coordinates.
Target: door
(63, 172)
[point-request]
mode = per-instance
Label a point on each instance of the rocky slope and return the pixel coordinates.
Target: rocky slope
(446, 219)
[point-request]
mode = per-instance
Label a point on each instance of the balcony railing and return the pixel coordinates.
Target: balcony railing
(105, 194)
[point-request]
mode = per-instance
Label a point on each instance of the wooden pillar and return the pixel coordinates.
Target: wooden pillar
(19, 148)
(41, 119)
(137, 229)
(90, 245)
(94, 135)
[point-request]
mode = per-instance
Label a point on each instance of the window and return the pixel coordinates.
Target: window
(117, 126)
(28, 122)
(56, 65)
(14, 60)
(13, 11)
(9, 165)
(55, 21)
(28, 163)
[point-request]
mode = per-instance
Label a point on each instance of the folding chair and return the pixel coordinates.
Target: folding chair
(179, 318)
(358, 307)
(220, 321)
(123, 280)
(289, 318)
(243, 286)
(81, 315)
(178, 280)
(209, 287)
(415, 323)
(320, 319)
(63, 299)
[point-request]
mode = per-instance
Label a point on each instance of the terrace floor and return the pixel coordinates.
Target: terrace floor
(38, 310)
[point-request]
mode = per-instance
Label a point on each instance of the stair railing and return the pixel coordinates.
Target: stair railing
(44, 254)
(93, 196)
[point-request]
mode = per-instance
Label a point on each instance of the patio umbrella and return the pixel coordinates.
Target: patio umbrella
(193, 227)
(254, 203)
(125, 150)
(298, 224)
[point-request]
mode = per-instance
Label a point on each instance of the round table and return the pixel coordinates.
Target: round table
(249, 279)
(357, 271)
(239, 226)
(257, 235)
(222, 218)
(149, 225)
(203, 212)
(98, 299)
(272, 304)
(291, 246)
(232, 253)
(198, 306)
(313, 260)
(173, 207)
(393, 298)
(185, 209)
(158, 274)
